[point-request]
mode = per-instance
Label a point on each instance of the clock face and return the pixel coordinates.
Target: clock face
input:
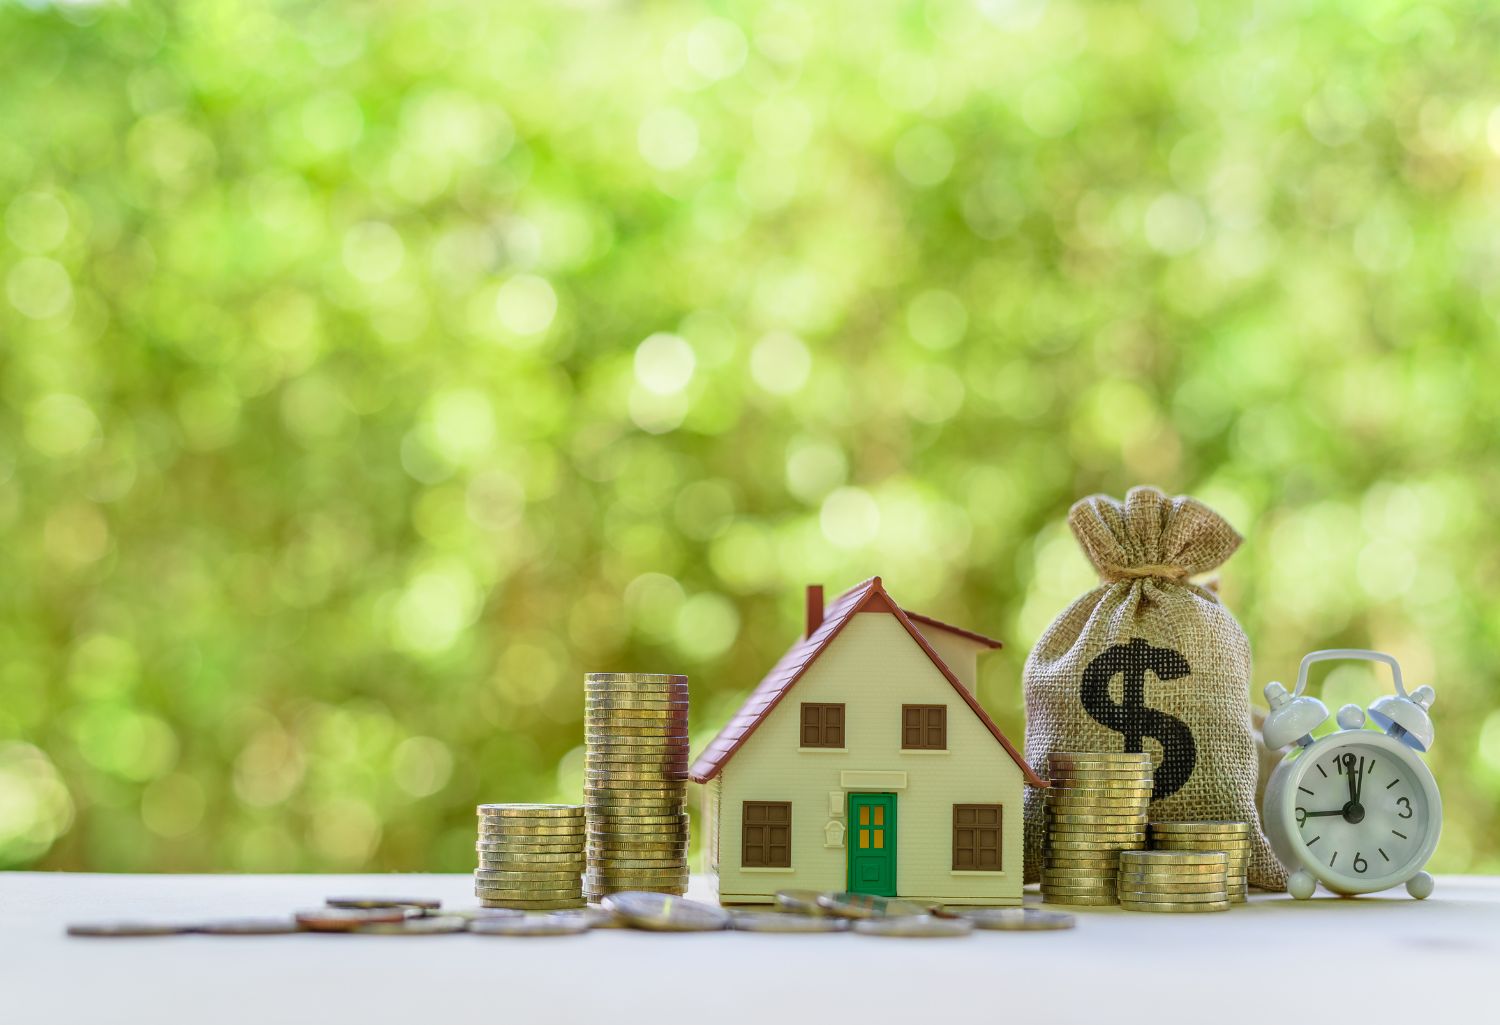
(1362, 812)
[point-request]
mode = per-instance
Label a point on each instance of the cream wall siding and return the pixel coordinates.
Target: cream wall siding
(959, 653)
(874, 667)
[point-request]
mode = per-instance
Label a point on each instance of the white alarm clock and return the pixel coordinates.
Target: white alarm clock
(1357, 810)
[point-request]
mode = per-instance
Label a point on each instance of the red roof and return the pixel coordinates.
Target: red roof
(988, 642)
(785, 673)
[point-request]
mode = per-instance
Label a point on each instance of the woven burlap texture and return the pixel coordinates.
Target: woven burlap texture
(1152, 654)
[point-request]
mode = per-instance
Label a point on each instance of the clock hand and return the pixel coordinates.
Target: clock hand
(1359, 784)
(1316, 814)
(1349, 775)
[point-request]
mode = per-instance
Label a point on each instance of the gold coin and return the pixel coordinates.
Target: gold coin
(532, 905)
(499, 852)
(504, 877)
(679, 679)
(1132, 822)
(635, 824)
(1080, 900)
(1079, 796)
(1141, 905)
(530, 811)
(609, 716)
(617, 733)
(1109, 757)
(1193, 826)
(523, 850)
(1100, 778)
(527, 893)
(538, 833)
(1178, 857)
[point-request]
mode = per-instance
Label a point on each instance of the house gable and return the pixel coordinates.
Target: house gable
(869, 597)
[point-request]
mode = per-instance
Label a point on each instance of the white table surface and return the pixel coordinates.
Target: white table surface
(1380, 958)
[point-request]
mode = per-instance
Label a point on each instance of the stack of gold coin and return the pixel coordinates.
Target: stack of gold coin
(1096, 808)
(635, 783)
(531, 856)
(1179, 881)
(1233, 838)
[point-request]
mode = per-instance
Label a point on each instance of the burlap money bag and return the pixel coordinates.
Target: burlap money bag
(1150, 661)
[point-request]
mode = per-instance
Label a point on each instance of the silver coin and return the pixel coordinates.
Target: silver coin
(421, 903)
(248, 927)
(865, 905)
(785, 922)
(914, 926)
(1014, 919)
(127, 928)
(665, 912)
(556, 924)
(802, 902)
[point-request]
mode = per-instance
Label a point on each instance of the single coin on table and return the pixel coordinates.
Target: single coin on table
(344, 919)
(786, 922)
(557, 924)
(127, 928)
(802, 902)
(368, 903)
(425, 925)
(248, 927)
(865, 905)
(914, 926)
(666, 912)
(1012, 919)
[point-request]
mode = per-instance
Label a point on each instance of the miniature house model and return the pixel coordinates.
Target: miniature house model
(864, 762)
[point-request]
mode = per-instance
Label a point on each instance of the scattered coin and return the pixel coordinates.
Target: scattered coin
(128, 928)
(666, 912)
(785, 922)
(865, 905)
(1013, 919)
(248, 927)
(802, 902)
(366, 903)
(345, 919)
(531, 925)
(424, 925)
(914, 926)
(602, 918)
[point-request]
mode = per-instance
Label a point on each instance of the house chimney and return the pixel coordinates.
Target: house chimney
(814, 607)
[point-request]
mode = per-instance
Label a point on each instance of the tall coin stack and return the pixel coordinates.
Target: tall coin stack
(1096, 808)
(1175, 881)
(1233, 838)
(635, 782)
(530, 856)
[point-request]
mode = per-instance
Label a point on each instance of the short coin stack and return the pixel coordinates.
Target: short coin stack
(635, 783)
(1177, 881)
(1233, 838)
(531, 856)
(1096, 808)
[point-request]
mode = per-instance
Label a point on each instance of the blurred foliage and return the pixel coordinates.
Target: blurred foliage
(371, 371)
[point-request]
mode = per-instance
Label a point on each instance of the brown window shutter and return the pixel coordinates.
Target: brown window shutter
(977, 830)
(767, 835)
(924, 727)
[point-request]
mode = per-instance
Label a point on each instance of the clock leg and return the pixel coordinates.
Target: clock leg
(1301, 884)
(1420, 885)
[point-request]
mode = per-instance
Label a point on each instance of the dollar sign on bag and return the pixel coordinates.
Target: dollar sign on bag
(1132, 717)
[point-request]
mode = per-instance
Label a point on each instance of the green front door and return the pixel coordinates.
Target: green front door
(872, 844)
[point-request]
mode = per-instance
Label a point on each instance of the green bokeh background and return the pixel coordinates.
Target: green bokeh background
(371, 371)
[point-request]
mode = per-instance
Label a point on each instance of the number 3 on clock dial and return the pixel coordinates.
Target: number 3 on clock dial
(1357, 814)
